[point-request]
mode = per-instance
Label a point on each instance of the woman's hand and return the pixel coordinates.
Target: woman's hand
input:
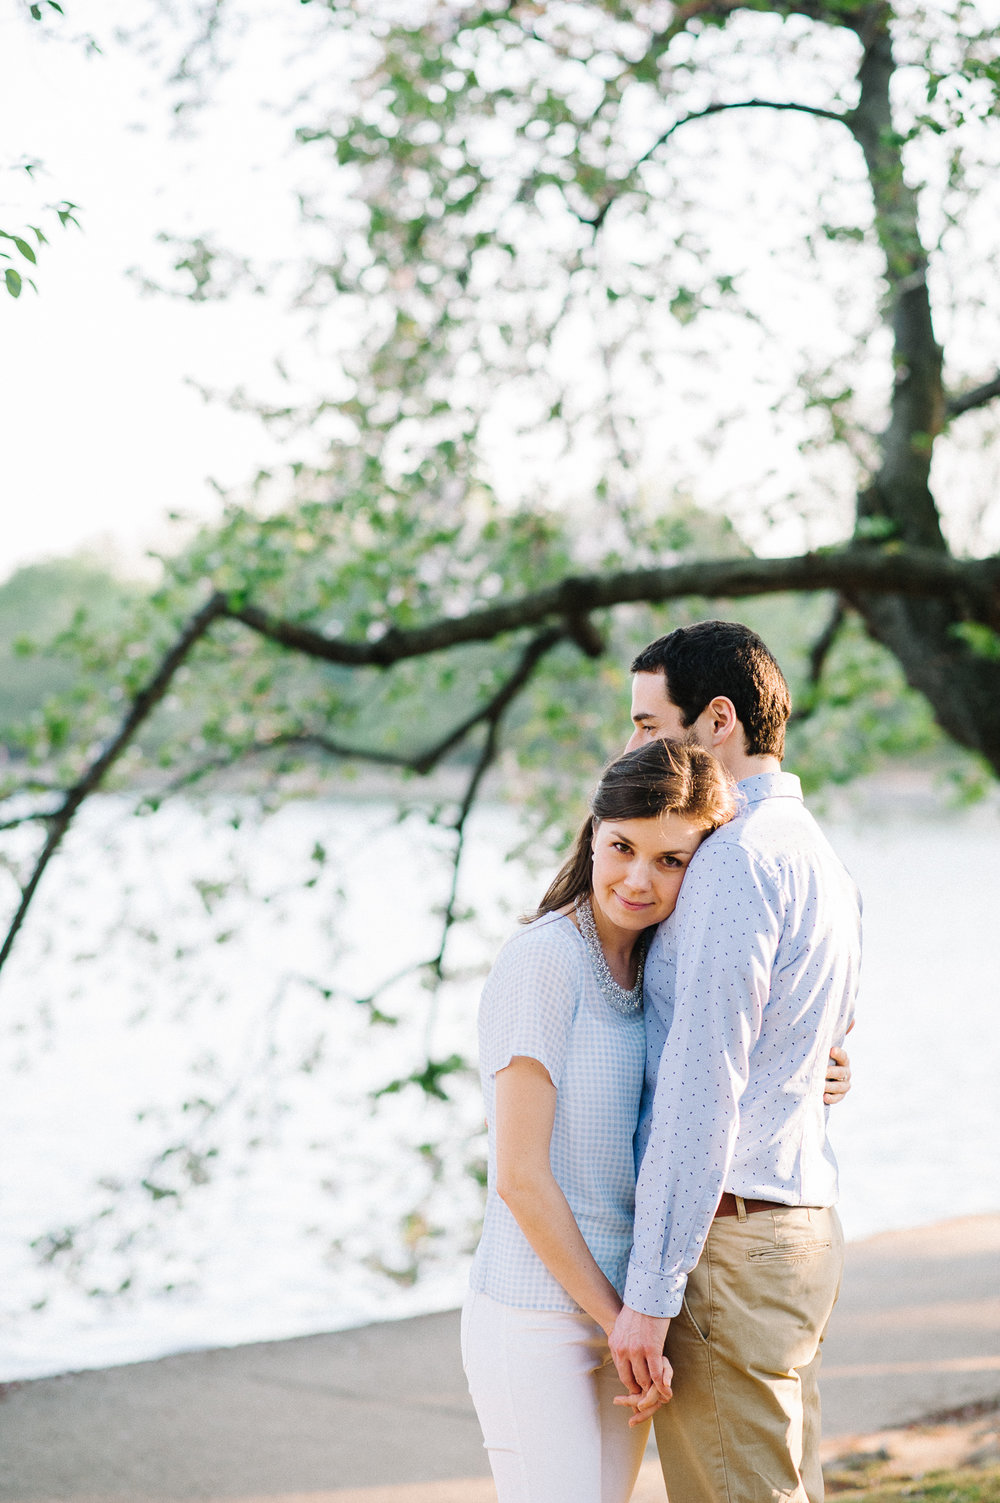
(838, 1077)
(644, 1405)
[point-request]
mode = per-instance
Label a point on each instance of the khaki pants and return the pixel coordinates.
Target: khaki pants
(744, 1422)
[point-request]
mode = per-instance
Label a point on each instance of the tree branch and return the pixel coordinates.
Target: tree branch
(971, 586)
(922, 573)
(818, 654)
(490, 714)
(718, 109)
(484, 761)
(823, 645)
(37, 816)
(140, 708)
(421, 762)
(29, 785)
(979, 396)
(841, 117)
(223, 763)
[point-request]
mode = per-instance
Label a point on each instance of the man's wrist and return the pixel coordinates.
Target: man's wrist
(651, 1292)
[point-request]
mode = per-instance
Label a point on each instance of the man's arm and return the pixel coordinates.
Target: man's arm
(727, 934)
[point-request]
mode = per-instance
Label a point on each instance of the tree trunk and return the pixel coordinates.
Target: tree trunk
(962, 686)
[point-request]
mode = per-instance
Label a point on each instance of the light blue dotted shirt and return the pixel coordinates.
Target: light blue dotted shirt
(753, 977)
(542, 1000)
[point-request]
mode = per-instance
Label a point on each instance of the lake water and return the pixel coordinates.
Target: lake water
(192, 1154)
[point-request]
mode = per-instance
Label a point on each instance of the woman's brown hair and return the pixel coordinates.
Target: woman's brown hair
(662, 777)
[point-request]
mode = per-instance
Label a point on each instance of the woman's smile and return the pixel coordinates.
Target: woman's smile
(634, 905)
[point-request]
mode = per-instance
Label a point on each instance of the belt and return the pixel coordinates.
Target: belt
(727, 1205)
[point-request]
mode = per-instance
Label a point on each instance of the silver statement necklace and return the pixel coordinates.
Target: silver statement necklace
(627, 1002)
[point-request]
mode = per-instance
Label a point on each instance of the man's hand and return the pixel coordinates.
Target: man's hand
(838, 1077)
(637, 1346)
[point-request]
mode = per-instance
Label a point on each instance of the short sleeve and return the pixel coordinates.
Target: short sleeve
(530, 1000)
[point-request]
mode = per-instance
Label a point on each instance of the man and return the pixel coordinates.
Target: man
(738, 1251)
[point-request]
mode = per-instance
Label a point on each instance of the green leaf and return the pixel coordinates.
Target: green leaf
(428, 1079)
(25, 249)
(684, 305)
(13, 280)
(875, 529)
(158, 1192)
(983, 641)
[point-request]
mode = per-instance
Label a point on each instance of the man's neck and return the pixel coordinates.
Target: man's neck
(740, 766)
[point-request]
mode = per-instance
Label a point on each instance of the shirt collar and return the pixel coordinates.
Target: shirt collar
(770, 785)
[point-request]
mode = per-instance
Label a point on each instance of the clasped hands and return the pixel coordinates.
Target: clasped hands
(636, 1343)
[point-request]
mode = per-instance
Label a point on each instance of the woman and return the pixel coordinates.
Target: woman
(562, 1054)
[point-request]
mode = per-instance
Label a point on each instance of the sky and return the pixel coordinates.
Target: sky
(101, 433)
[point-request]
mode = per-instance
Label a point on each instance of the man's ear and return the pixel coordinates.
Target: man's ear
(720, 720)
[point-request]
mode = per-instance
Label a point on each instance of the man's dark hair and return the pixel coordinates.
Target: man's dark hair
(723, 657)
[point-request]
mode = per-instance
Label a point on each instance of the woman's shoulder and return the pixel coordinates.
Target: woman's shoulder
(551, 932)
(551, 940)
(537, 982)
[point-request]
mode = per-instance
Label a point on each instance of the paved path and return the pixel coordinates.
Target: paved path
(381, 1415)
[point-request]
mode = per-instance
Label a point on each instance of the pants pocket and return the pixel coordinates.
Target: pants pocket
(786, 1252)
(467, 1304)
(701, 1326)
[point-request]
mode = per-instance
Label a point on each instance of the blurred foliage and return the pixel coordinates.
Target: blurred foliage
(19, 248)
(504, 253)
(28, 242)
(522, 289)
(50, 614)
(76, 643)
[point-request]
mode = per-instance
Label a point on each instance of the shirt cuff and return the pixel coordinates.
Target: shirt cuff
(654, 1293)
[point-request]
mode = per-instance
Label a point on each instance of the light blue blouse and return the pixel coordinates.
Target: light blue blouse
(542, 1000)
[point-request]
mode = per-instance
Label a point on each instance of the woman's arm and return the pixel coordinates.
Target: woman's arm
(525, 1112)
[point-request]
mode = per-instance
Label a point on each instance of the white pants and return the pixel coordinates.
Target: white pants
(543, 1383)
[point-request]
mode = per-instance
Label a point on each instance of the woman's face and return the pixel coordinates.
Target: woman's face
(639, 865)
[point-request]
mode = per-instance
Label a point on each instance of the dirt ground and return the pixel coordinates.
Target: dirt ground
(962, 1439)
